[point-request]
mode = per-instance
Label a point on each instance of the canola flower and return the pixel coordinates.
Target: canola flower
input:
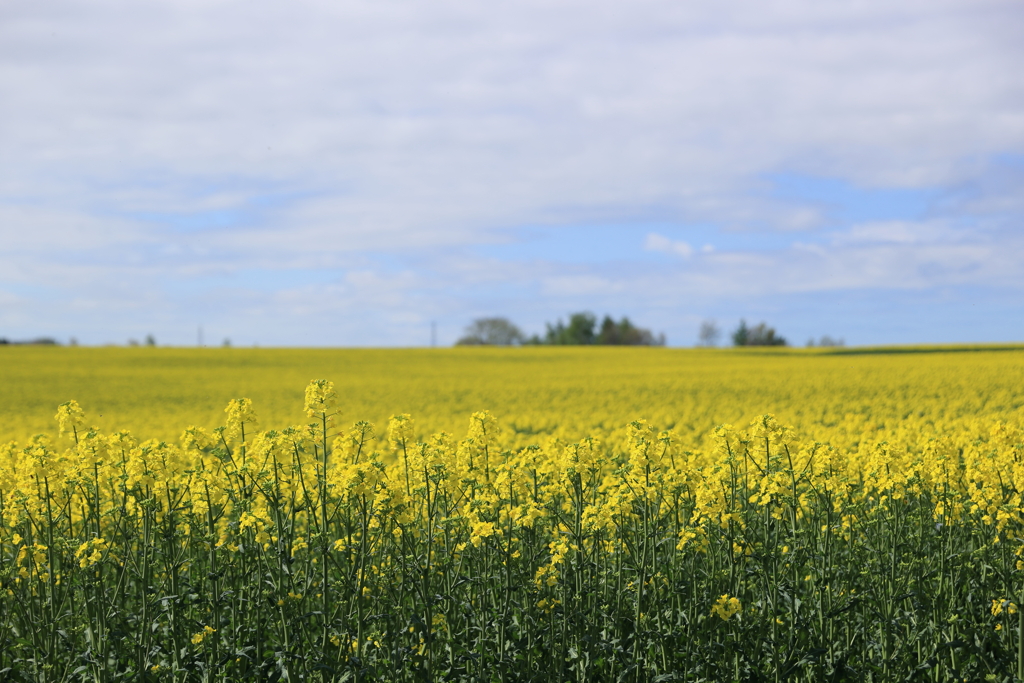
(726, 607)
(199, 636)
(322, 552)
(832, 396)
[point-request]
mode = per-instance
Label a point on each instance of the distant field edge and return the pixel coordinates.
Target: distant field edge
(760, 350)
(928, 348)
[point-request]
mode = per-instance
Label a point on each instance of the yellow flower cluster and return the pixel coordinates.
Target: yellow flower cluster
(975, 469)
(200, 636)
(999, 606)
(91, 552)
(726, 607)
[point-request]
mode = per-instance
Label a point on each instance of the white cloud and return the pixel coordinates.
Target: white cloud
(898, 232)
(334, 136)
(442, 114)
(656, 242)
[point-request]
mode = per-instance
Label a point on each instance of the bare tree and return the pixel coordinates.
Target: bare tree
(709, 333)
(492, 332)
(827, 341)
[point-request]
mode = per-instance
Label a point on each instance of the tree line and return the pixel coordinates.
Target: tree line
(581, 329)
(757, 335)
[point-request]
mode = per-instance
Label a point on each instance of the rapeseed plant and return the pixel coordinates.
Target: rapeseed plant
(323, 552)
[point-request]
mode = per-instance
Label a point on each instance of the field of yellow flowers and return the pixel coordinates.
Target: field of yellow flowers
(514, 515)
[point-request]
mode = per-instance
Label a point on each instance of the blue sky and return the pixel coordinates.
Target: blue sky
(346, 173)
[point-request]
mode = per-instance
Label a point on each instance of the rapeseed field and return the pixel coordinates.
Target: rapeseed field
(536, 392)
(512, 515)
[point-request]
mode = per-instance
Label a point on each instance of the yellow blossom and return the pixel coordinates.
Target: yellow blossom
(725, 607)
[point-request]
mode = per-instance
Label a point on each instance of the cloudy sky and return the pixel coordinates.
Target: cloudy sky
(345, 172)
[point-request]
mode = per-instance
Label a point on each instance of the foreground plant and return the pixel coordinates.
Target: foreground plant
(303, 554)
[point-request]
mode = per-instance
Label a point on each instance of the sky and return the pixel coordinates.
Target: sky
(352, 173)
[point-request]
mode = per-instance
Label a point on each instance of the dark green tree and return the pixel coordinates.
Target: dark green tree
(582, 330)
(759, 335)
(625, 333)
(579, 331)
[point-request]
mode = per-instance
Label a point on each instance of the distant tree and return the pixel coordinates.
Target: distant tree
(579, 331)
(759, 335)
(741, 334)
(39, 341)
(150, 340)
(491, 332)
(709, 333)
(583, 330)
(826, 341)
(625, 333)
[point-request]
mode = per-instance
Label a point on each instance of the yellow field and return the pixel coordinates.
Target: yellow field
(880, 539)
(534, 392)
